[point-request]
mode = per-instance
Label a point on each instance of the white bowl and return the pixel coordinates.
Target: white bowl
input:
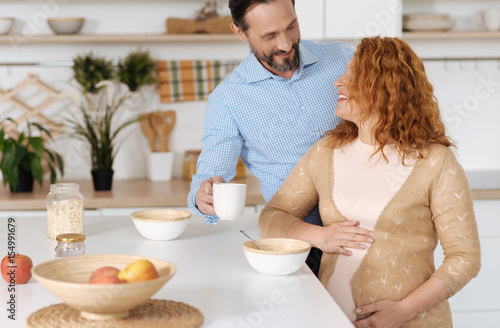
(6, 24)
(68, 25)
(281, 256)
(68, 280)
(161, 224)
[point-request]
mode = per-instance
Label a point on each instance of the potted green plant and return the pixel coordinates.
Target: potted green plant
(23, 158)
(98, 124)
(89, 70)
(136, 70)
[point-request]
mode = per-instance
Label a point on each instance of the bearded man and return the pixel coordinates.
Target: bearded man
(274, 106)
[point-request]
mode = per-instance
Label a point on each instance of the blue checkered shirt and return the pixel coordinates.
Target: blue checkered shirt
(268, 120)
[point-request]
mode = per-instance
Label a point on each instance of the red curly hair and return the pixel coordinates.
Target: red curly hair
(387, 77)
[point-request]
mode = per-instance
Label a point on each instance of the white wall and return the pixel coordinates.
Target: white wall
(456, 82)
(469, 96)
(468, 91)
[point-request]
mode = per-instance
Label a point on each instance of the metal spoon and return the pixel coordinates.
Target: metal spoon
(250, 238)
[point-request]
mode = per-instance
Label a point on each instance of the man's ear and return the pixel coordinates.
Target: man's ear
(239, 32)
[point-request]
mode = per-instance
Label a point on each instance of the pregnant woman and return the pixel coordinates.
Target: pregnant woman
(388, 168)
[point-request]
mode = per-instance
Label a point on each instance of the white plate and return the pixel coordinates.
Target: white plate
(428, 26)
(426, 17)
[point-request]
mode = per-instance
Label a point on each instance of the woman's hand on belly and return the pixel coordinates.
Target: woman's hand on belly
(390, 314)
(386, 314)
(336, 237)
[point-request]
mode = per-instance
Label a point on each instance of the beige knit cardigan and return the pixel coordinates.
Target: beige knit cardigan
(434, 202)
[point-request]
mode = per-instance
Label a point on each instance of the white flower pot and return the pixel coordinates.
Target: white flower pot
(159, 166)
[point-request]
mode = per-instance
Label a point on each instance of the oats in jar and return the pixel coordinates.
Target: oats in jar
(64, 209)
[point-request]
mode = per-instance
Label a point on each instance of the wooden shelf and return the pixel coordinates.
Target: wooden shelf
(117, 38)
(168, 38)
(451, 35)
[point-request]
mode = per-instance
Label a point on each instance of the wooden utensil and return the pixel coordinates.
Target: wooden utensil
(169, 117)
(159, 125)
(147, 130)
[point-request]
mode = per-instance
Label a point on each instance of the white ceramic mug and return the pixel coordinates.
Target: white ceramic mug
(489, 19)
(229, 200)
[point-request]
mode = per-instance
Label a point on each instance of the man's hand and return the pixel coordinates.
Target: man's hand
(205, 197)
(338, 236)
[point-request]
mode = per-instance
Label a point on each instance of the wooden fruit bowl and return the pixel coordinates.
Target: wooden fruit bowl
(67, 279)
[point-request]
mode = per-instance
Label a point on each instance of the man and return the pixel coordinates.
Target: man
(274, 106)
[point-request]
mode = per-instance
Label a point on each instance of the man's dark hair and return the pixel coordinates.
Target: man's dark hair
(239, 8)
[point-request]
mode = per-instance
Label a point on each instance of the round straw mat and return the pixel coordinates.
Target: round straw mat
(153, 313)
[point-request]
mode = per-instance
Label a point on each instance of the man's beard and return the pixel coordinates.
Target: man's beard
(289, 64)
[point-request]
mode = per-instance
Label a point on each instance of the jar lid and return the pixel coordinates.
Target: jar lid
(70, 237)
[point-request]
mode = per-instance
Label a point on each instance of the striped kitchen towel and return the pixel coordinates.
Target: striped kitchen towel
(189, 80)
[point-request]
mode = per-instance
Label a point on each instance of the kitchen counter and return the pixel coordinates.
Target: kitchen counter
(144, 193)
(212, 274)
(484, 184)
(124, 193)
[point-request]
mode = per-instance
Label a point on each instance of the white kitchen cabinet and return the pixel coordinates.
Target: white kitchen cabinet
(478, 304)
(475, 319)
(362, 18)
(311, 19)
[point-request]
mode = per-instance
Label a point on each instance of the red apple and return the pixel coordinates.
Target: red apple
(105, 275)
(16, 269)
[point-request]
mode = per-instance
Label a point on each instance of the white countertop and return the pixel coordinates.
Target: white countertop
(212, 274)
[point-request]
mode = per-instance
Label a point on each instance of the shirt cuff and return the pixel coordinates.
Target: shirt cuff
(210, 219)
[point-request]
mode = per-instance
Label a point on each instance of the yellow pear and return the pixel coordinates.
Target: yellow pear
(140, 270)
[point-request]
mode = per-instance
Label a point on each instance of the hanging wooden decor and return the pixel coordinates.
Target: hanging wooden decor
(32, 113)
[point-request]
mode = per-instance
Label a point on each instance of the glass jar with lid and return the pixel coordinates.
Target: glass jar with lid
(190, 161)
(70, 244)
(64, 209)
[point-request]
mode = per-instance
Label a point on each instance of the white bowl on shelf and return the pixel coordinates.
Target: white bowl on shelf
(6, 24)
(281, 256)
(66, 25)
(161, 224)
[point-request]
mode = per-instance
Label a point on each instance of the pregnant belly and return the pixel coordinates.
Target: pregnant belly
(339, 285)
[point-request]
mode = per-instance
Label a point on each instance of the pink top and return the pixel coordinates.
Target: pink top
(362, 188)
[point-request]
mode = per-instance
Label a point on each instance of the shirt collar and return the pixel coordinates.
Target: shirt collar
(255, 71)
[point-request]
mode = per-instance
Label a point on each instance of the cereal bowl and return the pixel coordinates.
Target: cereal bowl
(68, 280)
(281, 256)
(161, 224)
(67, 25)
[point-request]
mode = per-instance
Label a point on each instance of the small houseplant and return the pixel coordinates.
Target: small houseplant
(23, 158)
(90, 70)
(96, 124)
(136, 70)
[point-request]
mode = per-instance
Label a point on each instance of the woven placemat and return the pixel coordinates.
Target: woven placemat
(153, 313)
